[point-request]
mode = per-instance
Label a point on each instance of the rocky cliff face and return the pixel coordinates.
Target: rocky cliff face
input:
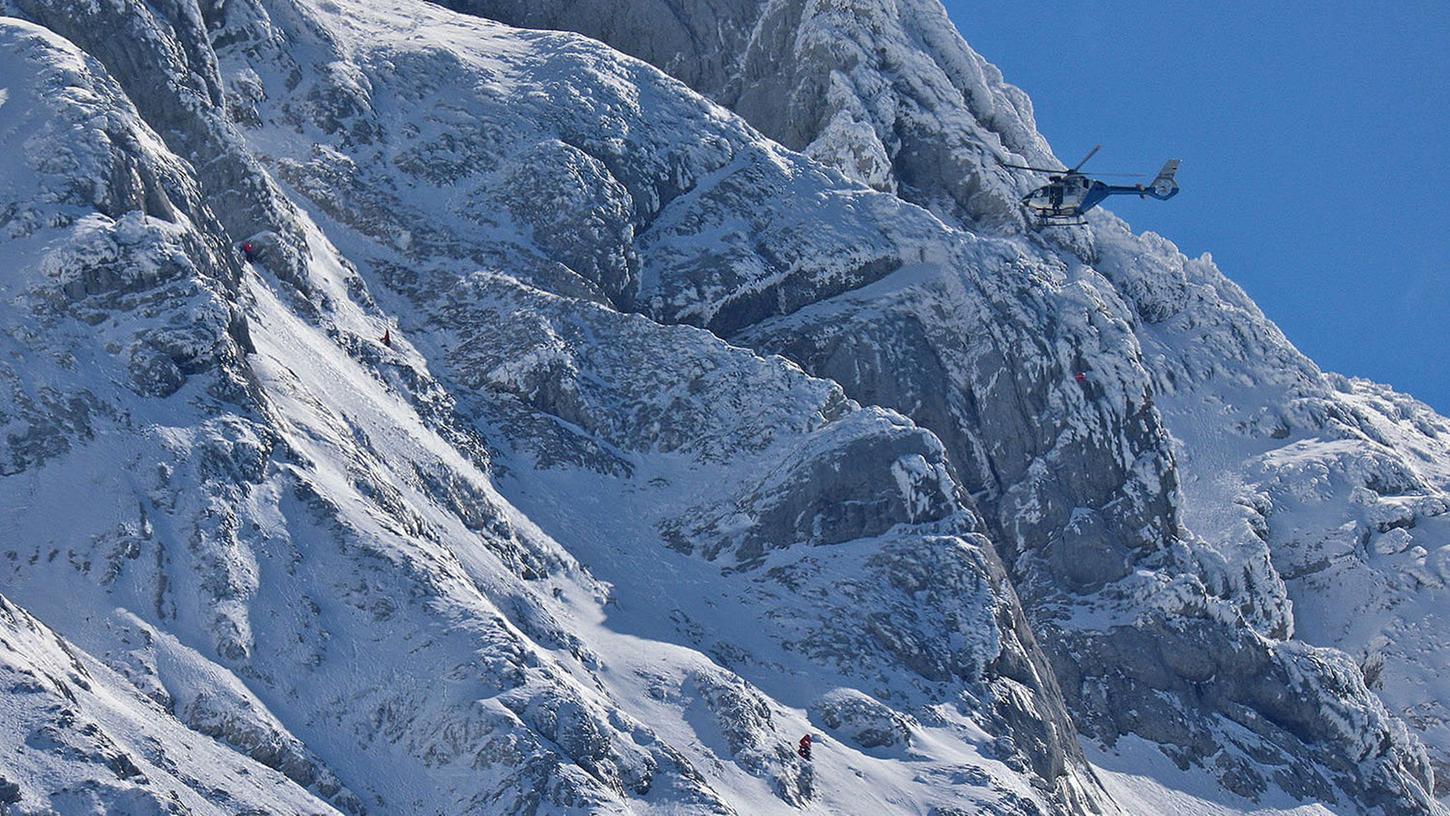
(691, 436)
(884, 93)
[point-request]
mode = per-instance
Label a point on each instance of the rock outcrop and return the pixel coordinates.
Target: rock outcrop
(696, 430)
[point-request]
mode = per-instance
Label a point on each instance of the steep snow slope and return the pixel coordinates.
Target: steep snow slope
(1342, 484)
(114, 298)
(543, 555)
(81, 738)
(292, 534)
(491, 196)
(887, 93)
(273, 549)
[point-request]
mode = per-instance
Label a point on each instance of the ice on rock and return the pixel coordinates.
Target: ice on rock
(726, 400)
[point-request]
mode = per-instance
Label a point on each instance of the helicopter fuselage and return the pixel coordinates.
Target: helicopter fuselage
(1069, 197)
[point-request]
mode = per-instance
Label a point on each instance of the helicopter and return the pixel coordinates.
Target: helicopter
(1069, 194)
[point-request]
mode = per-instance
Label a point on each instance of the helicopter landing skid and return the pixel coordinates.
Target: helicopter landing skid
(1042, 223)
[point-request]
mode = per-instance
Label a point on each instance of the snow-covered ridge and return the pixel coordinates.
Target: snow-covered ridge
(288, 564)
(552, 551)
(1195, 326)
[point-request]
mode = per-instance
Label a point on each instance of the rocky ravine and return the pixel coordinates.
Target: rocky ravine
(686, 444)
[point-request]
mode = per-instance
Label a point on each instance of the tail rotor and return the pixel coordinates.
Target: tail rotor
(1164, 185)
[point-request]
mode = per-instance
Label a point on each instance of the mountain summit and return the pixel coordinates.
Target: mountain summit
(564, 407)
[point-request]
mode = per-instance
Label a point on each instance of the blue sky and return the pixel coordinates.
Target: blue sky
(1315, 140)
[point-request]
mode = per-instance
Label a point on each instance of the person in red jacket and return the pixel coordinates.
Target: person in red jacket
(804, 749)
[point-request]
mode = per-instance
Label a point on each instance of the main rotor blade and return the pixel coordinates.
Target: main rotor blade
(1035, 169)
(1090, 154)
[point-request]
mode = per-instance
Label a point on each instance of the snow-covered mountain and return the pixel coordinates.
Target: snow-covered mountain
(725, 399)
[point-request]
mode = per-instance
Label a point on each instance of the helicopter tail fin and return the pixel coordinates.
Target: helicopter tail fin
(1164, 186)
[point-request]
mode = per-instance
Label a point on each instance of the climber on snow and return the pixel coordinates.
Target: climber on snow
(804, 748)
(387, 338)
(249, 251)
